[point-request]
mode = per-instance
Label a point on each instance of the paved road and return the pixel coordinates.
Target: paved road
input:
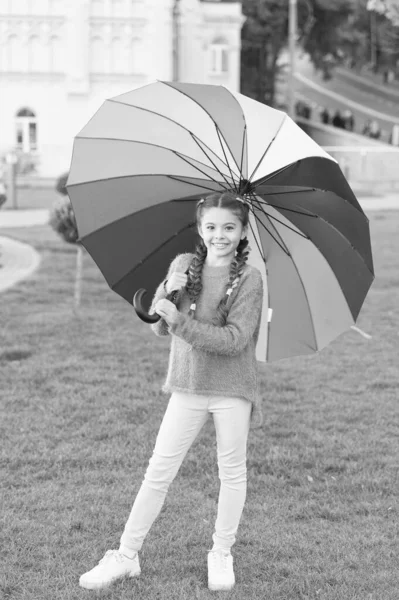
(334, 95)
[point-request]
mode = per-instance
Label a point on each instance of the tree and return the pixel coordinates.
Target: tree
(264, 35)
(63, 221)
(265, 32)
(332, 33)
(388, 8)
(384, 32)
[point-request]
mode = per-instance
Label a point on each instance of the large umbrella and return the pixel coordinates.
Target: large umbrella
(146, 157)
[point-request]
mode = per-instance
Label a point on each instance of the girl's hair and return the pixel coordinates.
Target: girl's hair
(240, 209)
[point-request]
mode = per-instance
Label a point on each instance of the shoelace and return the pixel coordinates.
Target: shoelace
(116, 553)
(223, 557)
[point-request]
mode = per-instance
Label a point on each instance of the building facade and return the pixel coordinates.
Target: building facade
(59, 61)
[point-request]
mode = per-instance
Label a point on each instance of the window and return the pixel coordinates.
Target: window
(16, 55)
(135, 52)
(117, 56)
(219, 56)
(37, 55)
(118, 8)
(97, 8)
(97, 55)
(26, 130)
(56, 55)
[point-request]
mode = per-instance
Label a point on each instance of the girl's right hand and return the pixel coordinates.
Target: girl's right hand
(176, 281)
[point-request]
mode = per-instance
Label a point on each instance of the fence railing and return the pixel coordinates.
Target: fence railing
(374, 166)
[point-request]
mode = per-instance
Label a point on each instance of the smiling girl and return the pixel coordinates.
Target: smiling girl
(214, 323)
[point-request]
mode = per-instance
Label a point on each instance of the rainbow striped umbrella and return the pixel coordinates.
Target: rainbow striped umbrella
(147, 156)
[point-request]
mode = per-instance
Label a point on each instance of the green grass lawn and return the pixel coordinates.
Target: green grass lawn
(81, 404)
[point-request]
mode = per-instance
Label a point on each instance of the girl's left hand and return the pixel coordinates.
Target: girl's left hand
(167, 310)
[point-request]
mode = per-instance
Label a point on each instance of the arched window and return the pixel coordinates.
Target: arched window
(26, 130)
(219, 56)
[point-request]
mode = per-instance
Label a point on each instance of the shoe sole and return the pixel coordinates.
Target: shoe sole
(214, 587)
(98, 585)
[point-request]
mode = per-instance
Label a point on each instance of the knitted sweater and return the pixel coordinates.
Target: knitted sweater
(209, 359)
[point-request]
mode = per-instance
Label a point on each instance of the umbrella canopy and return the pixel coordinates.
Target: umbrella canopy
(147, 156)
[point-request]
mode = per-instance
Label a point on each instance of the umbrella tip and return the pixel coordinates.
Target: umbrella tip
(245, 187)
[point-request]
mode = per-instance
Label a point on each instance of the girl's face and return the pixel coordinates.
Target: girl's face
(221, 226)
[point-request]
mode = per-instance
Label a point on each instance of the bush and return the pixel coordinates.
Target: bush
(62, 220)
(60, 185)
(3, 194)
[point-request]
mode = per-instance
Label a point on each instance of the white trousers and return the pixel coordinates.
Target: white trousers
(183, 420)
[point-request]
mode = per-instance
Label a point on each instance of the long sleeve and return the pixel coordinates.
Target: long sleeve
(161, 327)
(242, 320)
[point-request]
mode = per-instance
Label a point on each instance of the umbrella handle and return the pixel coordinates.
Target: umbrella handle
(138, 306)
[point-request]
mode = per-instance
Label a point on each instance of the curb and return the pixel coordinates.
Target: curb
(393, 91)
(18, 261)
(345, 101)
(24, 218)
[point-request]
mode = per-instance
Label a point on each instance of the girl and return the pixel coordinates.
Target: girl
(212, 369)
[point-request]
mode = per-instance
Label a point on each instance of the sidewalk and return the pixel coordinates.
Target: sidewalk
(17, 262)
(24, 218)
(371, 80)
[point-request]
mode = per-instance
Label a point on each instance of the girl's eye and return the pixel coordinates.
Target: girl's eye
(211, 227)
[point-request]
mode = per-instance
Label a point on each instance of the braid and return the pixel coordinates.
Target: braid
(194, 279)
(236, 270)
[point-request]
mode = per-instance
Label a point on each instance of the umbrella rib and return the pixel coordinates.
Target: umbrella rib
(244, 139)
(266, 203)
(285, 249)
(268, 147)
(303, 287)
(200, 147)
(80, 183)
(288, 227)
(254, 197)
(198, 169)
(189, 183)
(169, 118)
(323, 191)
(256, 241)
(261, 194)
(271, 175)
(204, 109)
(309, 238)
(278, 233)
(292, 210)
(153, 252)
(144, 144)
(225, 156)
(315, 216)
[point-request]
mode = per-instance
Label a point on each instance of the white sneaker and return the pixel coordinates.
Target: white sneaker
(114, 565)
(220, 571)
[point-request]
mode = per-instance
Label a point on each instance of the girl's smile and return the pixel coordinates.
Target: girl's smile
(221, 232)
